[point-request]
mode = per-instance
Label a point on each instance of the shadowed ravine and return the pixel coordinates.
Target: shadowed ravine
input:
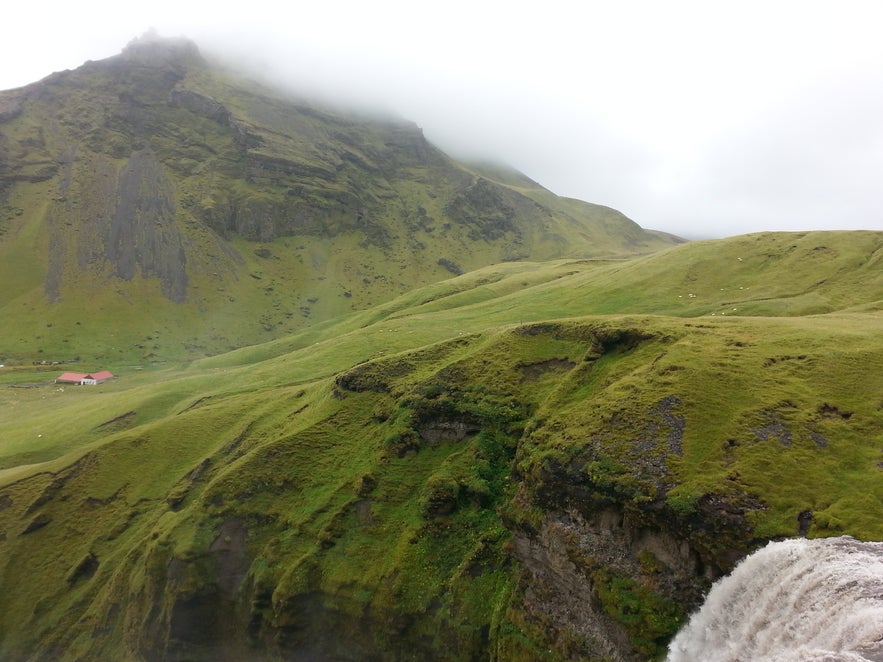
(793, 600)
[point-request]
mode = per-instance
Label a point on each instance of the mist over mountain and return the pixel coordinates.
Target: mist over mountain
(371, 402)
(158, 177)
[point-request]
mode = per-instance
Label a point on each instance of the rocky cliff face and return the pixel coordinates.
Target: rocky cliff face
(603, 580)
(128, 228)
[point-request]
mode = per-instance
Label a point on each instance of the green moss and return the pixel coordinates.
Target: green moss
(649, 619)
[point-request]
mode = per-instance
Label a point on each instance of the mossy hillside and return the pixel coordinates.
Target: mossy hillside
(252, 478)
(484, 300)
(487, 298)
(110, 517)
(252, 473)
(514, 293)
(774, 274)
(311, 470)
(757, 400)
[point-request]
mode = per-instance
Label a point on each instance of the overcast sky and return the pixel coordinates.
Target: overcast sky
(704, 119)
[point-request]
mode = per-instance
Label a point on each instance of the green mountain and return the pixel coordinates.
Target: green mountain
(531, 461)
(167, 209)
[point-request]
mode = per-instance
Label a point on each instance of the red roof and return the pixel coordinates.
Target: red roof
(70, 377)
(100, 376)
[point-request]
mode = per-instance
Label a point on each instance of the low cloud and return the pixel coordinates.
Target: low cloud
(691, 117)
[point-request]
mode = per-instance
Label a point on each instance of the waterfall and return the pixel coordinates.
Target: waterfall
(794, 600)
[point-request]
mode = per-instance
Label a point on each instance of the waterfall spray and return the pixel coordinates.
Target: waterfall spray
(795, 600)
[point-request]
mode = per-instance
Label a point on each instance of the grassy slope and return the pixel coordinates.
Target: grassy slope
(507, 294)
(780, 398)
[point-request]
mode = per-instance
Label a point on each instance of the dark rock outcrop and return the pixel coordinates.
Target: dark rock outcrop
(143, 235)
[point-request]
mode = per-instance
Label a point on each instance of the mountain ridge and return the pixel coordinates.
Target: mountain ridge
(154, 169)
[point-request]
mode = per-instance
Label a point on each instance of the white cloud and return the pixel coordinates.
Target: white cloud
(699, 118)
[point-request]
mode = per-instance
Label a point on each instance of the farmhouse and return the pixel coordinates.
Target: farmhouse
(90, 379)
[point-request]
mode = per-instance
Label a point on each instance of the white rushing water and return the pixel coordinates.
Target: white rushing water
(795, 600)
